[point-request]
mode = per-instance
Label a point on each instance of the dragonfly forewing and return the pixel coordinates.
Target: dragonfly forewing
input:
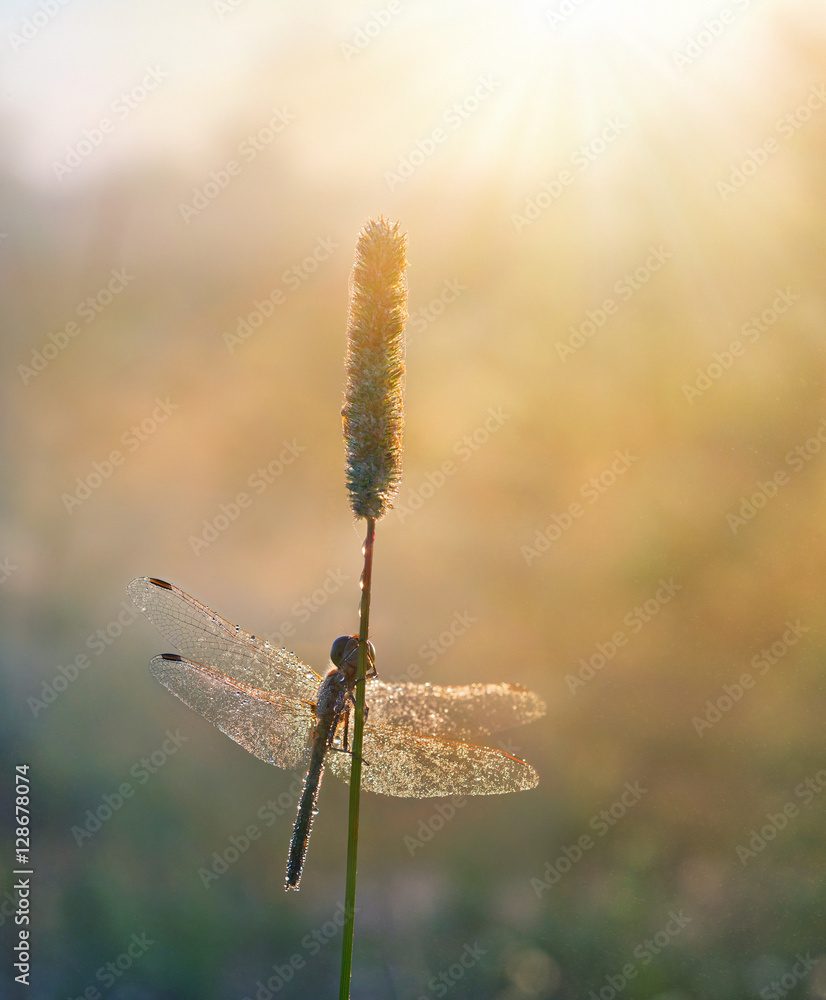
(398, 762)
(200, 634)
(275, 729)
(454, 712)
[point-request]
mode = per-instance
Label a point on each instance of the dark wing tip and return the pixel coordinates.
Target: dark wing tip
(160, 583)
(171, 656)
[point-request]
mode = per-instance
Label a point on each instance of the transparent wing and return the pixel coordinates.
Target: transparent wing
(272, 727)
(462, 712)
(398, 762)
(208, 638)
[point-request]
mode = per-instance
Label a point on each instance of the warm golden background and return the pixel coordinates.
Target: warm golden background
(670, 101)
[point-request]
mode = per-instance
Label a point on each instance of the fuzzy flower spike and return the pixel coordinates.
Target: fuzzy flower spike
(374, 394)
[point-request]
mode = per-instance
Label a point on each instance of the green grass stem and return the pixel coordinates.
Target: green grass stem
(355, 773)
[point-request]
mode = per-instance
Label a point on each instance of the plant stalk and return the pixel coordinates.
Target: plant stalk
(355, 773)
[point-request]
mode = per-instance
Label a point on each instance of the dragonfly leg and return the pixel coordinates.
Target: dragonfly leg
(352, 699)
(344, 748)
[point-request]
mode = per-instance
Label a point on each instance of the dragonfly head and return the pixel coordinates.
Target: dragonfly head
(345, 651)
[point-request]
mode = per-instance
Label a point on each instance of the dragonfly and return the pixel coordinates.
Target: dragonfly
(278, 708)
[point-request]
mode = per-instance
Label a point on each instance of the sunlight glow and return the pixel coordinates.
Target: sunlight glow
(592, 32)
(622, 17)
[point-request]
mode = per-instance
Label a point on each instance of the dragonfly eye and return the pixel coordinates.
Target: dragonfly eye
(346, 646)
(341, 648)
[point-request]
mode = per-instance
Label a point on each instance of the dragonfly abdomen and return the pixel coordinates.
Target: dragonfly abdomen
(307, 807)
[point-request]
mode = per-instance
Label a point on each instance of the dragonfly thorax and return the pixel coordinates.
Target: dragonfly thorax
(333, 694)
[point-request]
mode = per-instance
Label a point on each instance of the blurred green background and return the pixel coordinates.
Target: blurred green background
(616, 220)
